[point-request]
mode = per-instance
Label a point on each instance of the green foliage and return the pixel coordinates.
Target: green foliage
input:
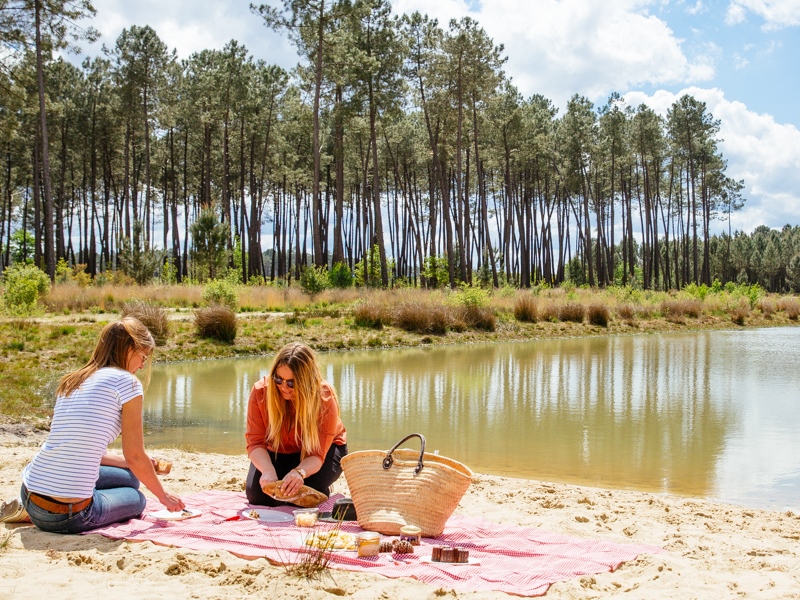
(76, 275)
(314, 280)
(222, 292)
(436, 272)
(137, 259)
(169, 272)
(368, 270)
(471, 297)
(697, 291)
(24, 285)
(210, 240)
(340, 276)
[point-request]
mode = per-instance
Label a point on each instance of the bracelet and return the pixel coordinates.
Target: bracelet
(300, 471)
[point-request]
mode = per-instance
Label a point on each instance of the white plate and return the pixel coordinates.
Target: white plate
(268, 516)
(472, 561)
(180, 515)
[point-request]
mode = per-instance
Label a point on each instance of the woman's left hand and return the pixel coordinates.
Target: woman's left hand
(292, 482)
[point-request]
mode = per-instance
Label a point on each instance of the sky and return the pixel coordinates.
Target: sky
(740, 57)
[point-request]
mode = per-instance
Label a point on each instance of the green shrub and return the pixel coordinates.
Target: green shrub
(216, 322)
(313, 280)
(222, 292)
(340, 276)
(153, 317)
(526, 309)
(24, 285)
(471, 297)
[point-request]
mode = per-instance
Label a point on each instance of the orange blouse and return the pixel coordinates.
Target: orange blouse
(331, 428)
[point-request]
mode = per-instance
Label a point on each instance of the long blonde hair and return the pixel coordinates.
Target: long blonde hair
(308, 399)
(112, 350)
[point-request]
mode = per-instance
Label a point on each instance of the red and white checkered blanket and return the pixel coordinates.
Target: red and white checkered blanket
(519, 560)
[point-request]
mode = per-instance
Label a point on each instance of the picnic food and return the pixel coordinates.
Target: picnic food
(369, 543)
(306, 517)
(411, 533)
(402, 547)
(253, 514)
(449, 554)
(305, 497)
(163, 466)
(332, 540)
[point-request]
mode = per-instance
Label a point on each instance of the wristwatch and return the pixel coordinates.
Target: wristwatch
(300, 470)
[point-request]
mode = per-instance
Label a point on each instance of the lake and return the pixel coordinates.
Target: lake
(710, 414)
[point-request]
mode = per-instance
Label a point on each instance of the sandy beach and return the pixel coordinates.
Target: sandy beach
(711, 550)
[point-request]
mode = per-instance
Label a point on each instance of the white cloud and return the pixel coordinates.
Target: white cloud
(192, 27)
(777, 14)
(561, 47)
(764, 153)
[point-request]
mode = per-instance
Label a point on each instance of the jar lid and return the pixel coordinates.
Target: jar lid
(369, 536)
(410, 530)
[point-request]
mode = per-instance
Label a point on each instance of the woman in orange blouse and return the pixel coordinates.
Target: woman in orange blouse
(294, 432)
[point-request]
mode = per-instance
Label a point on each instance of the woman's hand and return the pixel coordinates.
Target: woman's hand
(267, 477)
(292, 482)
(172, 502)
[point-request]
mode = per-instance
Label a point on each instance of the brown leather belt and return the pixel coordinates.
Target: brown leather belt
(58, 507)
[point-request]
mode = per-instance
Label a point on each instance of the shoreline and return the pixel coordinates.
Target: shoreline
(710, 549)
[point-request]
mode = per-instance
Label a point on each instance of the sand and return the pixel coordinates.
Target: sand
(711, 550)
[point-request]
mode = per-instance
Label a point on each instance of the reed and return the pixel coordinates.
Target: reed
(549, 311)
(676, 309)
(790, 307)
(422, 318)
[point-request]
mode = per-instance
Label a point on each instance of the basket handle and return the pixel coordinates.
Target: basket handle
(389, 460)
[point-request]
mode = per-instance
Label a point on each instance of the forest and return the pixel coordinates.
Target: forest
(397, 149)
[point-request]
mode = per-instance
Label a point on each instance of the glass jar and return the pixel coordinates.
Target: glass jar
(411, 533)
(369, 543)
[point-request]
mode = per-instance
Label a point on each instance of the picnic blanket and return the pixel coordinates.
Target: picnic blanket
(520, 560)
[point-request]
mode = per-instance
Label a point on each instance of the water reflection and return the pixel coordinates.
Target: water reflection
(679, 413)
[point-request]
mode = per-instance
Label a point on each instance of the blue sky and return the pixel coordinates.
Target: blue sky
(741, 57)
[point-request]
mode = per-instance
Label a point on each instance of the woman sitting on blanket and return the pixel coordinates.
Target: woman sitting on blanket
(74, 484)
(294, 432)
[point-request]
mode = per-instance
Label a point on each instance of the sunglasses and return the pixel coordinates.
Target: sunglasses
(281, 381)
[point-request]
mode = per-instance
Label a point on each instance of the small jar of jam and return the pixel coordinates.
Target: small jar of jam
(369, 543)
(411, 533)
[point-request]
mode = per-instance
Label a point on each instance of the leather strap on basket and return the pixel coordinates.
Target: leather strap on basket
(389, 460)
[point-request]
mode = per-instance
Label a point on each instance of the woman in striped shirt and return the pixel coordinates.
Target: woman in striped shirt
(74, 484)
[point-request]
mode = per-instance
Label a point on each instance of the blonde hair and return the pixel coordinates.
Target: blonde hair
(112, 350)
(308, 399)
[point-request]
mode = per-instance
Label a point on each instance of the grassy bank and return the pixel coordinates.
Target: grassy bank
(36, 351)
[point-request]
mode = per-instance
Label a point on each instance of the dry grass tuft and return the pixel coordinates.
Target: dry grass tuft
(425, 318)
(626, 312)
(572, 311)
(675, 309)
(372, 314)
(790, 307)
(153, 317)
(526, 309)
(739, 314)
(216, 322)
(767, 307)
(548, 312)
(477, 317)
(598, 314)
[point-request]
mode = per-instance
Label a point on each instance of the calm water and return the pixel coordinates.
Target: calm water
(713, 414)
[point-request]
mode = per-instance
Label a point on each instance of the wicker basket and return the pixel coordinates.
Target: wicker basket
(404, 487)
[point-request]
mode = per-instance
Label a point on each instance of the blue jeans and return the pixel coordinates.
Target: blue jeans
(116, 498)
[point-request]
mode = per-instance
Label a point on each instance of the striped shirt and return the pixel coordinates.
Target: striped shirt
(84, 424)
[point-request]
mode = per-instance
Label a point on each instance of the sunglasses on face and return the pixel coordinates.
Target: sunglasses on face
(281, 381)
